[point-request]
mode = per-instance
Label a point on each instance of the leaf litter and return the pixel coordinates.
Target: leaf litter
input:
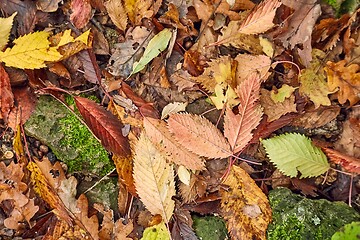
(252, 96)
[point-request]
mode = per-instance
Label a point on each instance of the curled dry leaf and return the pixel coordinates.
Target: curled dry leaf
(104, 125)
(154, 179)
(245, 207)
(162, 138)
(199, 135)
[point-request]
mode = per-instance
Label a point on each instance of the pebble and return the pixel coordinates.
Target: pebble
(44, 149)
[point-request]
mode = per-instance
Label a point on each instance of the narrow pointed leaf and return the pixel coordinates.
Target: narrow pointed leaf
(238, 128)
(199, 135)
(154, 179)
(104, 125)
(6, 25)
(294, 152)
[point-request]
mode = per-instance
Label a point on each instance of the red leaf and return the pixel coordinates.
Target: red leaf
(81, 13)
(350, 164)
(6, 95)
(104, 125)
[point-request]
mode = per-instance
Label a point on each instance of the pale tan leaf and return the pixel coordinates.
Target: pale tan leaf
(249, 64)
(117, 13)
(260, 18)
(199, 135)
(154, 179)
(238, 128)
(244, 206)
(174, 107)
(162, 138)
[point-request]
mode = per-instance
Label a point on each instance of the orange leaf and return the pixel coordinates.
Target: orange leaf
(161, 137)
(104, 125)
(350, 164)
(6, 95)
(244, 207)
(238, 128)
(260, 18)
(199, 135)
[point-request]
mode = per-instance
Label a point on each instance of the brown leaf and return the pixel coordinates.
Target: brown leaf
(81, 13)
(117, 13)
(91, 67)
(244, 207)
(199, 135)
(161, 137)
(250, 64)
(124, 168)
(314, 118)
(260, 18)
(47, 5)
(104, 125)
(238, 128)
(6, 95)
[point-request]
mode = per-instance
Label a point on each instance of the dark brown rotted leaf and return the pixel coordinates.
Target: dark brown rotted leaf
(104, 125)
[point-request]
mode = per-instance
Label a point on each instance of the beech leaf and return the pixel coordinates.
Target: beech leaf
(173, 151)
(104, 125)
(238, 128)
(260, 18)
(293, 152)
(156, 45)
(154, 179)
(5, 28)
(199, 135)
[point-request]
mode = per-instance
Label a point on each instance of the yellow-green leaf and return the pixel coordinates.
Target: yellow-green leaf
(31, 51)
(5, 28)
(156, 45)
(279, 95)
(156, 232)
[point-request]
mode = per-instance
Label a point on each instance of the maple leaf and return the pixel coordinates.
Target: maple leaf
(117, 13)
(104, 125)
(244, 206)
(199, 135)
(345, 80)
(154, 179)
(260, 18)
(238, 128)
(161, 137)
(6, 25)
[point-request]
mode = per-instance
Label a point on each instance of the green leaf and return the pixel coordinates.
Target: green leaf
(348, 232)
(294, 152)
(156, 232)
(156, 45)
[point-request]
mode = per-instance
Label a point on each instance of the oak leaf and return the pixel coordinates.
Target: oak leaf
(199, 135)
(260, 18)
(238, 128)
(104, 125)
(244, 206)
(345, 80)
(6, 25)
(154, 179)
(161, 137)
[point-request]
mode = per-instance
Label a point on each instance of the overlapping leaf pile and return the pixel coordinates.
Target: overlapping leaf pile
(243, 90)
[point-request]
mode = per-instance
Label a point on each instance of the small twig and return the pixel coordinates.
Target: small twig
(100, 180)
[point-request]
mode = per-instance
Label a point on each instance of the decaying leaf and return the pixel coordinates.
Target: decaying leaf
(158, 231)
(161, 137)
(154, 179)
(6, 25)
(294, 152)
(199, 135)
(345, 79)
(117, 13)
(104, 125)
(81, 13)
(349, 163)
(260, 18)
(250, 64)
(244, 206)
(238, 128)
(6, 95)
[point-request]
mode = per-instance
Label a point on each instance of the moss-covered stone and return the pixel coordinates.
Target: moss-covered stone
(296, 217)
(71, 141)
(210, 228)
(348, 232)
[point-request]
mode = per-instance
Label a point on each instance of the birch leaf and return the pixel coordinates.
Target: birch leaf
(294, 152)
(173, 151)
(156, 45)
(199, 135)
(260, 18)
(238, 128)
(5, 28)
(30, 52)
(154, 179)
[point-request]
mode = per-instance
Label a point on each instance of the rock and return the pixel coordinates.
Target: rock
(71, 141)
(296, 217)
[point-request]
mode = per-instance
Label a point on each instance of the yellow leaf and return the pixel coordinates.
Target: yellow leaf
(66, 38)
(230, 98)
(154, 179)
(31, 51)
(244, 206)
(5, 28)
(279, 95)
(137, 10)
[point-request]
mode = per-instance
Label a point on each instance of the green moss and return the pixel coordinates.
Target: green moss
(296, 217)
(210, 228)
(348, 232)
(71, 141)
